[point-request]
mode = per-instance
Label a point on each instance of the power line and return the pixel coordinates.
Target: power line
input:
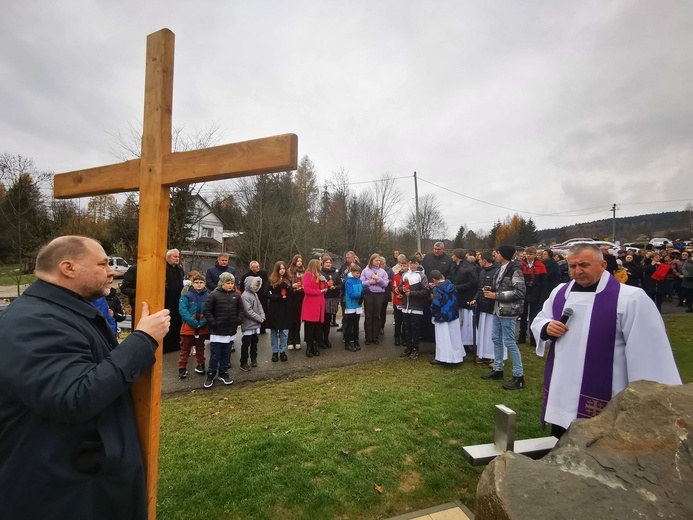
(513, 209)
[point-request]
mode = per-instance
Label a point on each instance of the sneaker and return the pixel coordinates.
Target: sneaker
(282, 356)
(200, 369)
(253, 362)
(340, 328)
(225, 378)
(516, 383)
(289, 347)
(406, 352)
(350, 347)
(245, 367)
(275, 357)
(436, 362)
(182, 373)
(414, 354)
(297, 347)
(209, 380)
(233, 349)
(494, 374)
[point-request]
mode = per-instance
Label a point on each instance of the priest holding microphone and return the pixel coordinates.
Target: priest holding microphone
(614, 335)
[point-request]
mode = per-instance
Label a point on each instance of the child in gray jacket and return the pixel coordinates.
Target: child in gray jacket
(253, 316)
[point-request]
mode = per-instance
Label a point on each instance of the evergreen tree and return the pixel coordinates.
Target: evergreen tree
(459, 238)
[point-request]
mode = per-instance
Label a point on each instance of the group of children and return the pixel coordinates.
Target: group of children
(216, 315)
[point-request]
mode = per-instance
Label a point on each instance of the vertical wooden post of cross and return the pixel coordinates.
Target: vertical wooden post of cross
(153, 236)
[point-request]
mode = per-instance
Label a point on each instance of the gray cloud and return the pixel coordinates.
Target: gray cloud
(545, 107)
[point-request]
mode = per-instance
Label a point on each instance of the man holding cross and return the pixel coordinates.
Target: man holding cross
(153, 174)
(614, 335)
(69, 444)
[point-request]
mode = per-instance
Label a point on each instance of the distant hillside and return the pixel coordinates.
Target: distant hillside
(673, 224)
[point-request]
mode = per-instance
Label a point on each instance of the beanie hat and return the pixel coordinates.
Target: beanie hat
(459, 253)
(506, 251)
(225, 277)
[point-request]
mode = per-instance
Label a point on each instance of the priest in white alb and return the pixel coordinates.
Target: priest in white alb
(600, 336)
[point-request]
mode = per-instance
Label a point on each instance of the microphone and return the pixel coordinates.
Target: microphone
(567, 313)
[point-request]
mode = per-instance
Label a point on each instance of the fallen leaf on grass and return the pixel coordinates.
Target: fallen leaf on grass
(267, 427)
(215, 413)
(463, 490)
(378, 488)
(346, 452)
(378, 429)
(287, 432)
(276, 468)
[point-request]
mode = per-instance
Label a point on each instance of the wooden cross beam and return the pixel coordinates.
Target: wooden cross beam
(157, 169)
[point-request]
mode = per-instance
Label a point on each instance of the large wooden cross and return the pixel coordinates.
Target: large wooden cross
(153, 174)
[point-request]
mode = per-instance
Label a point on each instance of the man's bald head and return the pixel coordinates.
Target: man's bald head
(76, 263)
(70, 247)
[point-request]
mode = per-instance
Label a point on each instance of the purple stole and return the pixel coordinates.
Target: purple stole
(597, 374)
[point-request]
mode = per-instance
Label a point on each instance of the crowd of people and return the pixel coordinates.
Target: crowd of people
(468, 303)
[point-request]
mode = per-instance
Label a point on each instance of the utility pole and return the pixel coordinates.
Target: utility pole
(418, 217)
(613, 224)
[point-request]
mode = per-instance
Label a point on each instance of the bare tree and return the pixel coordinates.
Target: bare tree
(387, 200)
(127, 145)
(430, 217)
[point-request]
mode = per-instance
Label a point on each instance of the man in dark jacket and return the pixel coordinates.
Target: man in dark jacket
(221, 266)
(609, 259)
(465, 277)
(69, 446)
(438, 260)
(174, 285)
(553, 272)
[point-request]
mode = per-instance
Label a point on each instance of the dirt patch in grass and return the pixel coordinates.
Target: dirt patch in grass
(366, 450)
(409, 482)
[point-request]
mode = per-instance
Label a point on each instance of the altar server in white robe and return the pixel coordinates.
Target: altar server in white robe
(615, 335)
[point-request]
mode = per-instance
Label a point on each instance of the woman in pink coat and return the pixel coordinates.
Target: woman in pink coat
(313, 309)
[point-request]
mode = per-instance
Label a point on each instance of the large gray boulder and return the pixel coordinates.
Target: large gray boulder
(633, 461)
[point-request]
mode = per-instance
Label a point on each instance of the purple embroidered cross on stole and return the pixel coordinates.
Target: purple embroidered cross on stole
(597, 374)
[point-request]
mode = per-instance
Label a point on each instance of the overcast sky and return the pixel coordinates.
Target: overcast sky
(556, 109)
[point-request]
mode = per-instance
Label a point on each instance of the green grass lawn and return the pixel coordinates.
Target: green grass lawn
(370, 441)
(11, 275)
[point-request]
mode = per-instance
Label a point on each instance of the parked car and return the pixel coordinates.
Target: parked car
(658, 242)
(633, 245)
(119, 265)
(564, 248)
(570, 241)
